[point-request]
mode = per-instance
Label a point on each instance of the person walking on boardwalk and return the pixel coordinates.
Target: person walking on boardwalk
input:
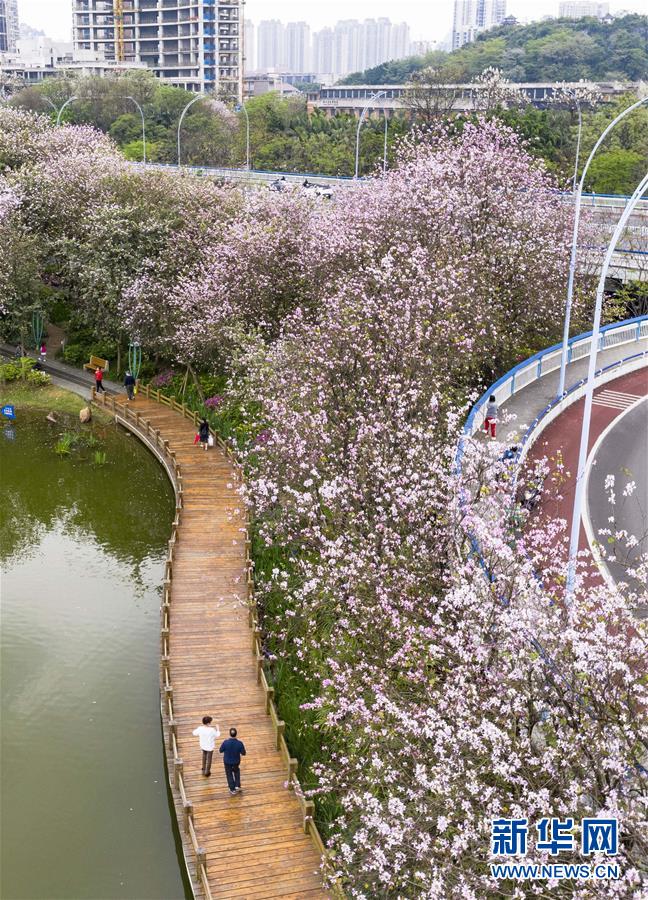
(207, 734)
(129, 384)
(43, 352)
(232, 750)
(99, 380)
(203, 432)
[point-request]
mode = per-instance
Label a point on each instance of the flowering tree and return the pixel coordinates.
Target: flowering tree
(441, 689)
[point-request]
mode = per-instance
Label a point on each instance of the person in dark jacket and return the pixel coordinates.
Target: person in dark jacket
(203, 432)
(129, 384)
(232, 750)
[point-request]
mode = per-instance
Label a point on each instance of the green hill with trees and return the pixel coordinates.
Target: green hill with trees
(555, 50)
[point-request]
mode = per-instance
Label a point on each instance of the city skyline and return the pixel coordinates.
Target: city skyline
(427, 22)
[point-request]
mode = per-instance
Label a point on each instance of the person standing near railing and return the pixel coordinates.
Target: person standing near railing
(129, 384)
(99, 380)
(490, 422)
(208, 734)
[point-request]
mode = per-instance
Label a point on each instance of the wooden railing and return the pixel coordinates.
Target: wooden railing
(153, 438)
(307, 806)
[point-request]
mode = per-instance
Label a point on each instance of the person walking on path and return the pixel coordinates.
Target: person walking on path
(490, 422)
(203, 432)
(43, 352)
(207, 734)
(99, 380)
(129, 384)
(232, 750)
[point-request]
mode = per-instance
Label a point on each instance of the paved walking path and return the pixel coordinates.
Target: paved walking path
(529, 402)
(562, 437)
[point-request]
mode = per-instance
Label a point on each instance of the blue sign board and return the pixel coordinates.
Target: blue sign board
(9, 411)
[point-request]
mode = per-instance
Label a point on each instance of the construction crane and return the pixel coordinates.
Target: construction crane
(118, 11)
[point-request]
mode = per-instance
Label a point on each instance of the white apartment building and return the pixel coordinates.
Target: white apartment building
(249, 47)
(297, 49)
(580, 8)
(271, 48)
(9, 28)
(473, 16)
(197, 44)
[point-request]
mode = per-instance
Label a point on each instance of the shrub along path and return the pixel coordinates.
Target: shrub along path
(255, 842)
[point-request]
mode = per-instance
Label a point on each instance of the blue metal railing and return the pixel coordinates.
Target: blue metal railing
(634, 325)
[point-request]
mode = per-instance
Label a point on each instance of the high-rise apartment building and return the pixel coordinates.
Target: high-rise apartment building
(9, 28)
(271, 50)
(473, 16)
(323, 51)
(297, 47)
(580, 8)
(249, 46)
(197, 44)
(349, 47)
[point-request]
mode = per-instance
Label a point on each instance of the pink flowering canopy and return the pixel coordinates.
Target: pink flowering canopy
(437, 690)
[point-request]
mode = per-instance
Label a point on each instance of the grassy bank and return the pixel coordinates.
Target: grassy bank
(46, 397)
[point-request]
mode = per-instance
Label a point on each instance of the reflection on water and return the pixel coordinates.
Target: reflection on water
(84, 810)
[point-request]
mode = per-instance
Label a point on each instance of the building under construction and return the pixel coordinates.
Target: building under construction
(197, 44)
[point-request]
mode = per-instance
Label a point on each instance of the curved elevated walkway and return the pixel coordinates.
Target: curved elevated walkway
(262, 842)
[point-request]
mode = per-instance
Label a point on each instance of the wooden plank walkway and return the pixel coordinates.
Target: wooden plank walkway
(257, 844)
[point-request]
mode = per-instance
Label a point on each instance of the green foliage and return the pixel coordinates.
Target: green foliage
(65, 443)
(38, 379)
(615, 172)
(79, 442)
(555, 50)
(23, 370)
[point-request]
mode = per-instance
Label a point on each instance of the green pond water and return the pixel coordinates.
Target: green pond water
(84, 806)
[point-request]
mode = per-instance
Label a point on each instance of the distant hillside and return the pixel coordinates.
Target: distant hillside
(556, 50)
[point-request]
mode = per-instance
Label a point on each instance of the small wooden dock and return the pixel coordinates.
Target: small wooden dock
(263, 842)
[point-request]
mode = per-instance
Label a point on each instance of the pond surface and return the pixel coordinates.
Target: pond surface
(85, 811)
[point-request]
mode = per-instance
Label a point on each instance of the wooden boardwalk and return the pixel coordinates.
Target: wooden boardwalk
(260, 843)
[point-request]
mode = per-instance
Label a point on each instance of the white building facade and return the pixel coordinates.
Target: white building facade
(581, 8)
(472, 16)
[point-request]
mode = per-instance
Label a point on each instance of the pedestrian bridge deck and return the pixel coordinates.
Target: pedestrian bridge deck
(260, 843)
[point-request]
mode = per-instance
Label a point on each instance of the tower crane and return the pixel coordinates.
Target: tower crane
(118, 11)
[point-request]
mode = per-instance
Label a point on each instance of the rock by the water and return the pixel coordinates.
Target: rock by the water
(51, 418)
(85, 415)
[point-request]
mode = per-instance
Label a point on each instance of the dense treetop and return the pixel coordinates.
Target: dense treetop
(348, 337)
(555, 50)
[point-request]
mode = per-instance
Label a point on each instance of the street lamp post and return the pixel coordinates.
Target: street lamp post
(183, 114)
(572, 262)
(141, 112)
(589, 391)
(578, 142)
(238, 108)
(385, 147)
(360, 121)
(60, 112)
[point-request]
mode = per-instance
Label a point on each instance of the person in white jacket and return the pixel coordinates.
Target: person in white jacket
(208, 735)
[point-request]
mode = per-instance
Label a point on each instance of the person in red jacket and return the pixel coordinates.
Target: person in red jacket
(99, 380)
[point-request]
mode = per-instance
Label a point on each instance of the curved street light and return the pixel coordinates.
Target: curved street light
(589, 391)
(60, 112)
(141, 112)
(572, 262)
(360, 121)
(183, 114)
